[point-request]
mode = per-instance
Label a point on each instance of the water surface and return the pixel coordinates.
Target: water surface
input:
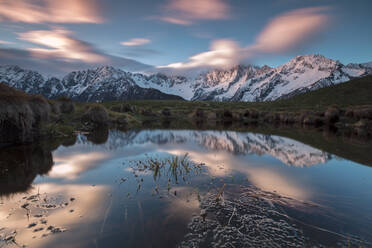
(85, 194)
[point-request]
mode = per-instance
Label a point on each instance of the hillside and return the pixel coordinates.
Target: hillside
(354, 92)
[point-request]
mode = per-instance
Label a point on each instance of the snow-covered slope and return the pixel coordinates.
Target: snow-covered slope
(301, 74)
(25, 80)
(239, 83)
(100, 84)
(107, 83)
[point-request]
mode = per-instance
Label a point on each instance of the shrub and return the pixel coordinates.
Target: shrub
(124, 108)
(166, 112)
(147, 112)
(251, 113)
(312, 121)
(97, 115)
(67, 107)
(363, 113)
(332, 115)
(287, 118)
(121, 120)
(227, 115)
(272, 117)
(199, 113)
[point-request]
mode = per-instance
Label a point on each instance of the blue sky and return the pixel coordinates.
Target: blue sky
(76, 34)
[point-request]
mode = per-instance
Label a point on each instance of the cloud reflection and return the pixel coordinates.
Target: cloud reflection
(71, 166)
(224, 165)
(88, 208)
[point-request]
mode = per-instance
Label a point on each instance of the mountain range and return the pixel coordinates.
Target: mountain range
(240, 83)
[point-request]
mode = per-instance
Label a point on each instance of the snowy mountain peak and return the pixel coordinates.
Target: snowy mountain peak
(109, 71)
(264, 69)
(314, 58)
(221, 77)
(310, 62)
(238, 83)
(102, 72)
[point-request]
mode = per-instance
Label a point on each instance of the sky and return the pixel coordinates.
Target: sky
(56, 37)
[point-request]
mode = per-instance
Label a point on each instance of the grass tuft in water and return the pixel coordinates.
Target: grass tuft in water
(167, 171)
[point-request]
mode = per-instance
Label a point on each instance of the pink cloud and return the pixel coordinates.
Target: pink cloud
(282, 34)
(222, 53)
(136, 42)
(50, 11)
(185, 12)
(291, 29)
(61, 45)
(177, 21)
(3, 42)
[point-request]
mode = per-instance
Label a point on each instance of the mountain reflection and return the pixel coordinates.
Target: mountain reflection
(19, 166)
(222, 152)
(288, 151)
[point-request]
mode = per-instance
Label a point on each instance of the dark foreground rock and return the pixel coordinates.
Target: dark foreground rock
(21, 116)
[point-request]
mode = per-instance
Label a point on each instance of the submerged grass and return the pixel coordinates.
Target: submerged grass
(172, 168)
(166, 172)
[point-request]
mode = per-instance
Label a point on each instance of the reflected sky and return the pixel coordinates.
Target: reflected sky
(100, 200)
(70, 166)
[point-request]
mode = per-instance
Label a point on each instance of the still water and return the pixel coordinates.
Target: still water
(165, 188)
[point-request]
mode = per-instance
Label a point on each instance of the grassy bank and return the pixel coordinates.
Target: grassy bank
(345, 107)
